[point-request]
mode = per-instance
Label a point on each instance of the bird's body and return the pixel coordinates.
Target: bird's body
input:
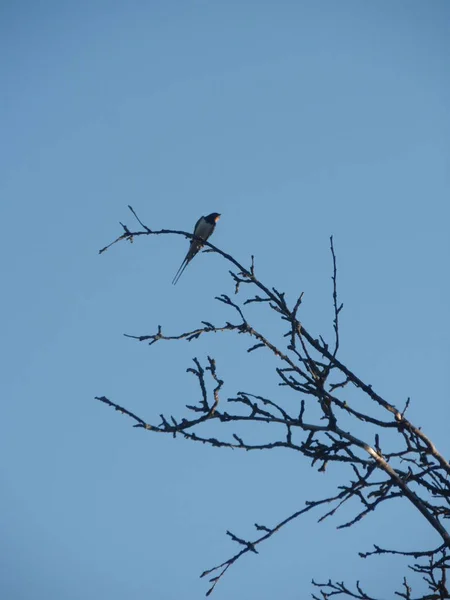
(203, 229)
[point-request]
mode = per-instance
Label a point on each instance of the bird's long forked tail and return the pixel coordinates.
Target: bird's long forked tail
(194, 248)
(179, 273)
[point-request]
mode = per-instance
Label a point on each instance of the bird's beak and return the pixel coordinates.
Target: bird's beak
(217, 218)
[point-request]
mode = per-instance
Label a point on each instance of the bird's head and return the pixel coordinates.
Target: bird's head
(215, 217)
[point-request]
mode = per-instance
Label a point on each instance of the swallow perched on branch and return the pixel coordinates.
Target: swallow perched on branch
(203, 229)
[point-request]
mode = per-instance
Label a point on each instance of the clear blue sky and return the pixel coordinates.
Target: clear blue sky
(295, 120)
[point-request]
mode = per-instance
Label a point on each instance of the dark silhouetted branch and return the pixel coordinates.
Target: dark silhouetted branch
(387, 457)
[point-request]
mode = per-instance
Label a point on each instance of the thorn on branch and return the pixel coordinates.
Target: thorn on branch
(406, 407)
(239, 440)
(139, 221)
(255, 347)
(242, 542)
(263, 528)
(297, 305)
(256, 299)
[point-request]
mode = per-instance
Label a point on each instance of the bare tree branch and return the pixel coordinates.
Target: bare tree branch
(398, 461)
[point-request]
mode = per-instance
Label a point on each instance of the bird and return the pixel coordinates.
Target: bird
(203, 229)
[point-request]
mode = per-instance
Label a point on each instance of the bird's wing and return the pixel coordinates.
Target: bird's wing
(197, 224)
